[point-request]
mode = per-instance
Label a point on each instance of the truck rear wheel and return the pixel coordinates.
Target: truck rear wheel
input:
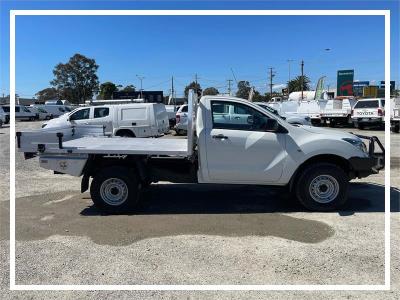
(115, 189)
(396, 128)
(322, 187)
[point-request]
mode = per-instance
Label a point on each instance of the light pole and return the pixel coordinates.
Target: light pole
(141, 84)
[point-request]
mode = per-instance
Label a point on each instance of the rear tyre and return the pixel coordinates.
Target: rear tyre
(360, 126)
(115, 189)
(126, 134)
(322, 187)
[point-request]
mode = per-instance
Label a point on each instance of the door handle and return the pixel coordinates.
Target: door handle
(220, 137)
(237, 118)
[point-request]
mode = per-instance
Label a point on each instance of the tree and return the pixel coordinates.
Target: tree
(212, 91)
(295, 84)
(47, 94)
(129, 88)
(76, 80)
(243, 89)
(194, 86)
(107, 89)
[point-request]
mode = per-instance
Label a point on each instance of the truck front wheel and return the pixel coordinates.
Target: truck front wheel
(115, 190)
(322, 187)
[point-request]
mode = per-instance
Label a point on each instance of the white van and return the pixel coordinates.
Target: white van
(127, 120)
(40, 112)
(54, 109)
(21, 112)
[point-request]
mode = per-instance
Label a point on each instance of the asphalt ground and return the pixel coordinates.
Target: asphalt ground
(194, 234)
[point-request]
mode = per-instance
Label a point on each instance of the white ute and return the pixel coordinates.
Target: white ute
(255, 147)
(369, 112)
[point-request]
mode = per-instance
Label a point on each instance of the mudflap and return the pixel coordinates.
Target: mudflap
(85, 183)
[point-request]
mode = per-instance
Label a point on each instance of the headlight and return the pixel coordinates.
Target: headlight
(44, 125)
(357, 143)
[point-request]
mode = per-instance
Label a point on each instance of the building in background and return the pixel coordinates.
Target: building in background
(358, 87)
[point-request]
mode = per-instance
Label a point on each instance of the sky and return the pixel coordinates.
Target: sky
(216, 48)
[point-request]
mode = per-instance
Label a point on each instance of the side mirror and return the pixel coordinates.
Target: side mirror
(272, 125)
(253, 120)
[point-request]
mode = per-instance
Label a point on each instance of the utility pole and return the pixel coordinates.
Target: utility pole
(229, 86)
(302, 78)
(271, 77)
(195, 79)
(172, 90)
(141, 85)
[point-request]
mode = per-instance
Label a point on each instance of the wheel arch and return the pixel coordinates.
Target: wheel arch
(321, 158)
(123, 130)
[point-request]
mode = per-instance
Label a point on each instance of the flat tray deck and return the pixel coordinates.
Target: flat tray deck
(117, 145)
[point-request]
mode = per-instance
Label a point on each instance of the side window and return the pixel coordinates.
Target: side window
(100, 112)
(80, 114)
(17, 109)
(237, 116)
(184, 109)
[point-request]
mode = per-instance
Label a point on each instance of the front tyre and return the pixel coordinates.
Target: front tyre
(115, 189)
(322, 187)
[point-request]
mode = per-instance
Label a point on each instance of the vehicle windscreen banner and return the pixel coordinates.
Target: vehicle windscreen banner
(345, 80)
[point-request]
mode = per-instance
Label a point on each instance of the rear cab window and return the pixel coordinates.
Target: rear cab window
(101, 112)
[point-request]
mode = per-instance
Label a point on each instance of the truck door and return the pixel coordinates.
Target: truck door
(101, 116)
(239, 149)
(80, 117)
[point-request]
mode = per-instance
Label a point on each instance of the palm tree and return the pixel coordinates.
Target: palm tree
(296, 83)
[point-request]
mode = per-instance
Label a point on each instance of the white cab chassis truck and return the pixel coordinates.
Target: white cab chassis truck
(338, 111)
(253, 147)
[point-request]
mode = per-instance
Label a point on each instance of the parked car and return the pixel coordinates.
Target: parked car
(4, 116)
(171, 111)
(21, 112)
(251, 146)
(126, 120)
(181, 122)
(369, 112)
(41, 113)
(294, 119)
(395, 115)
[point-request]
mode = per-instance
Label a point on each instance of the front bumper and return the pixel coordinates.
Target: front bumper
(365, 166)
